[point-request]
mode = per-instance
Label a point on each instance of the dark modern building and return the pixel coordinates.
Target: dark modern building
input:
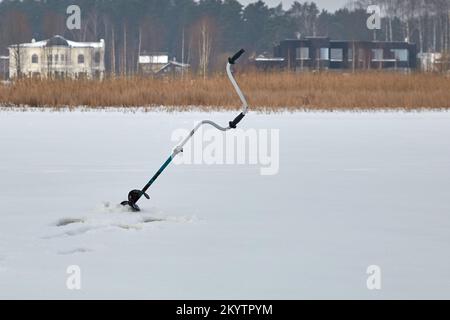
(321, 53)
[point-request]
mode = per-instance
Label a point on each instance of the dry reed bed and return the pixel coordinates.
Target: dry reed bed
(273, 91)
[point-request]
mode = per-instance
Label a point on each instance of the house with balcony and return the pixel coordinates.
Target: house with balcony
(59, 58)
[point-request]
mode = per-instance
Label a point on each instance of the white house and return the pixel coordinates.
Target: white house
(433, 61)
(58, 57)
(158, 64)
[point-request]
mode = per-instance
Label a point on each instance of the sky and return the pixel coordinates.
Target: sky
(330, 5)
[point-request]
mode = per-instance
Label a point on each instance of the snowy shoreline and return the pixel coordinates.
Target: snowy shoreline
(213, 109)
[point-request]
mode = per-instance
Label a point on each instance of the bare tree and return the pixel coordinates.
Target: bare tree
(20, 33)
(18, 56)
(124, 53)
(390, 10)
(204, 36)
(139, 49)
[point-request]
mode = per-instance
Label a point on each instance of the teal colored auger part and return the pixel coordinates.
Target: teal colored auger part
(157, 174)
(135, 195)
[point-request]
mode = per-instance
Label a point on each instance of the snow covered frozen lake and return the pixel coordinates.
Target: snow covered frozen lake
(353, 190)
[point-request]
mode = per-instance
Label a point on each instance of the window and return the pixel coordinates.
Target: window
(50, 59)
(302, 53)
(80, 59)
(350, 54)
(97, 57)
(337, 55)
(56, 58)
(377, 54)
(34, 58)
(400, 54)
(324, 54)
(63, 58)
(159, 59)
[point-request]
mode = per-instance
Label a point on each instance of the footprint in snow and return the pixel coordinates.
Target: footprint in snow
(67, 221)
(74, 232)
(74, 251)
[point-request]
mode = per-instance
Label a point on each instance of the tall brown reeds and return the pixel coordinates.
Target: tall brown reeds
(273, 91)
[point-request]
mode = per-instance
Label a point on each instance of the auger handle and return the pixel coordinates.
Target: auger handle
(234, 58)
(235, 122)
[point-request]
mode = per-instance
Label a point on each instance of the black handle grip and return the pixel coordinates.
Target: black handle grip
(233, 59)
(235, 122)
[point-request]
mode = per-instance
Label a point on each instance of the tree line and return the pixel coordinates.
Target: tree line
(424, 22)
(203, 33)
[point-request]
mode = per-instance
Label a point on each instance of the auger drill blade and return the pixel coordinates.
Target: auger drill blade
(133, 198)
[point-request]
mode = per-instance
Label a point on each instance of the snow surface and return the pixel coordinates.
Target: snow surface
(354, 190)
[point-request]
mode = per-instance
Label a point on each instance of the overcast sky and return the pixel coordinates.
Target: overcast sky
(330, 5)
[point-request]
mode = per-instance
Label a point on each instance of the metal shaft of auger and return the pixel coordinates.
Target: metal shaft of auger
(135, 195)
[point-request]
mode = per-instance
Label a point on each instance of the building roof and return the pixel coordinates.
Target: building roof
(61, 41)
(173, 63)
(269, 59)
(179, 64)
(305, 39)
(57, 41)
